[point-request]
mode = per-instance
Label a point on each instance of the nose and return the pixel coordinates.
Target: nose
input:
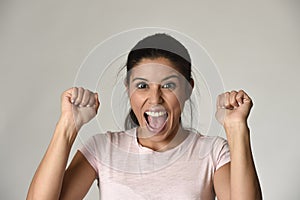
(155, 94)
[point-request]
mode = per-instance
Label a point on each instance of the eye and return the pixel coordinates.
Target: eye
(142, 85)
(170, 86)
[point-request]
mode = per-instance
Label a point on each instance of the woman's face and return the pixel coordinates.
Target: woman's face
(157, 95)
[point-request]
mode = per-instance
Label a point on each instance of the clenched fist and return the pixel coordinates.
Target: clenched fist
(233, 107)
(79, 106)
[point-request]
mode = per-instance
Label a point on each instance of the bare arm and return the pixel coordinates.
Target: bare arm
(78, 178)
(238, 179)
(78, 107)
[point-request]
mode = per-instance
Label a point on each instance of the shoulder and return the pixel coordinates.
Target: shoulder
(120, 135)
(209, 141)
(105, 141)
(113, 135)
(211, 146)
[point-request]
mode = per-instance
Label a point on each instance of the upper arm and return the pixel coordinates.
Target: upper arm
(78, 178)
(222, 182)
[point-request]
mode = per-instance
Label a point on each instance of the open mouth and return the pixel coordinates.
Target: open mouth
(156, 120)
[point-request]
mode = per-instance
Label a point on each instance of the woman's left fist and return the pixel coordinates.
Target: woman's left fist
(233, 107)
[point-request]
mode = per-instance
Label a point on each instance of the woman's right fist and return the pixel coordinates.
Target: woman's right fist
(79, 106)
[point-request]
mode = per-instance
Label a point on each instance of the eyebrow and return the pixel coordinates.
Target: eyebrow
(138, 78)
(164, 79)
(169, 77)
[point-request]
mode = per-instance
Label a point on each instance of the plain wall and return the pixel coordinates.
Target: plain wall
(255, 45)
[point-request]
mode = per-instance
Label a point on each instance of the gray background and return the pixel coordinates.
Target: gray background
(254, 43)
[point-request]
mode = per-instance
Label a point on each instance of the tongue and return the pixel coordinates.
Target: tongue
(156, 122)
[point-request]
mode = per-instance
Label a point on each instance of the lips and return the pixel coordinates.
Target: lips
(156, 120)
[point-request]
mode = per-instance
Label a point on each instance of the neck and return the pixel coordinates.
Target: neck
(162, 142)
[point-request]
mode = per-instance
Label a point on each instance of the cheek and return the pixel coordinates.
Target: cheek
(176, 100)
(174, 106)
(136, 103)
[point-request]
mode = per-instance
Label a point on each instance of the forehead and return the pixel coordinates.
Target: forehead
(154, 69)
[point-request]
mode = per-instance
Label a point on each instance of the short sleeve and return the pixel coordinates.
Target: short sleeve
(88, 149)
(221, 152)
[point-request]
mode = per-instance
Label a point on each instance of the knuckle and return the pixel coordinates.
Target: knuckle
(80, 89)
(226, 95)
(227, 103)
(83, 102)
(74, 89)
(77, 101)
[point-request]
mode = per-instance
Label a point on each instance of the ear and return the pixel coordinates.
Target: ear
(189, 88)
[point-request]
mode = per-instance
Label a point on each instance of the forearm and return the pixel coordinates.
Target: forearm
(244, 180)
(47, 181)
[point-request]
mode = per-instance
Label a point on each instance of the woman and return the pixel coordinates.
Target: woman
(162, 159)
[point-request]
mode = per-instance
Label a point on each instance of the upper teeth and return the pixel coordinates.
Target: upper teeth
(155, 114)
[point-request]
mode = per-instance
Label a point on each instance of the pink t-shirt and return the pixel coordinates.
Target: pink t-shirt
(126, 170)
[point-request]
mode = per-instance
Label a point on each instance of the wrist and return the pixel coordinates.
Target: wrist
(68, 121)
(66, 128)
(235, 125)
(237, 132)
